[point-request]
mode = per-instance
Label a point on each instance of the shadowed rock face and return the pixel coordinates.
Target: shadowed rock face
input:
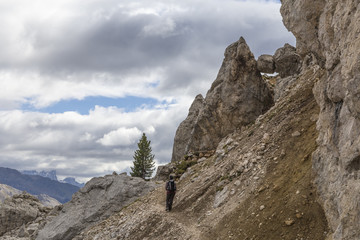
(100, 198)
(329, 30)
(236, 98)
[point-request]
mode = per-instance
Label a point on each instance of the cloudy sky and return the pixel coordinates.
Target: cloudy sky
(80, 80)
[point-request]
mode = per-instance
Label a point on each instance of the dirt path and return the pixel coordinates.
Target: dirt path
(182, 218)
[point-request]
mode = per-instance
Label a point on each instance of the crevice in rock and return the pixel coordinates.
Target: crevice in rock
(338, 107)
(354, 164)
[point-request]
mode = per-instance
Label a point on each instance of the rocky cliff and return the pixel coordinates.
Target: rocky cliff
(328, 32)
(236, 98)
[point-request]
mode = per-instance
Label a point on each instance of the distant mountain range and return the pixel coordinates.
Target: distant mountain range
(37, 185)
(48, 174)
(52, 175)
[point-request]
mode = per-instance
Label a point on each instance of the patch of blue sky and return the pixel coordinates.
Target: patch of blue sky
(128, 104)
(153, 84)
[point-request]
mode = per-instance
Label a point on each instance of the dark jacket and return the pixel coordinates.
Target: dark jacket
(170, 186)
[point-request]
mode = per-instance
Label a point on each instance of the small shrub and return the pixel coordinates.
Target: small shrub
(183, 165)
(219, 189)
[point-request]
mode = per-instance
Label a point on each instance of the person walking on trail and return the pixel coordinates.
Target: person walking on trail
(170, 193)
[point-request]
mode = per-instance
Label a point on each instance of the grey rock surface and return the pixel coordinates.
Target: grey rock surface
(7, 192)
(184, 132)
(97, 200)
(163, 172)
(287, 61)
(20, 210)
(302, 19)
(221, 197)
(266, 64)
(236, 98)
(48, 201)
(282, 85)
(329, 30)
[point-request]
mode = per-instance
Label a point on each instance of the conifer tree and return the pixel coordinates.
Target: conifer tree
(143, 162)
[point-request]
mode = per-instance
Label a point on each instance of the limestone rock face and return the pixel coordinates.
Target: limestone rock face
(184, 131)
(287, 61)
(236, 98)
(97, 200)
(302, 19)
(266, 64)
(19, 210)
(329, 30)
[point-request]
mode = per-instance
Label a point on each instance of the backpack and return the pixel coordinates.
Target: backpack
(171, 186)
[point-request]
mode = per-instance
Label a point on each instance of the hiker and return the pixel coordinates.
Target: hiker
(170, 193)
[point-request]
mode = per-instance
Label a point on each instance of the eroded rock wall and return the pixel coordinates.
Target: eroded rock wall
(329, 31)
(236, 98)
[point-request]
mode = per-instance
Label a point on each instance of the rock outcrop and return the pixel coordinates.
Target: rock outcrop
(163, 172)
(236, 98)
(19, 211)
(266, 64)
(328, 31)
(287, 61)
(100, 198)
(7, 192)
(184, 132)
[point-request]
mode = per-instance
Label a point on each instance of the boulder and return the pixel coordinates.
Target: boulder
(18, 211)
(266, 64)
(97, 200)
(163, 172)
(236, 98)
(287, 61)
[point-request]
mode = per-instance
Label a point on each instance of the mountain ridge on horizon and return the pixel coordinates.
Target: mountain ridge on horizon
(52, 175)
(36, 185)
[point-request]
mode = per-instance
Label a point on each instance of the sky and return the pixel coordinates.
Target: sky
(81, 80)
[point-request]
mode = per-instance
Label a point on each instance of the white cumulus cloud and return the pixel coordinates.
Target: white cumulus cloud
(121, 137)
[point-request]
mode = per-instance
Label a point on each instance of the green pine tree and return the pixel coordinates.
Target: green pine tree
(143, 162)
